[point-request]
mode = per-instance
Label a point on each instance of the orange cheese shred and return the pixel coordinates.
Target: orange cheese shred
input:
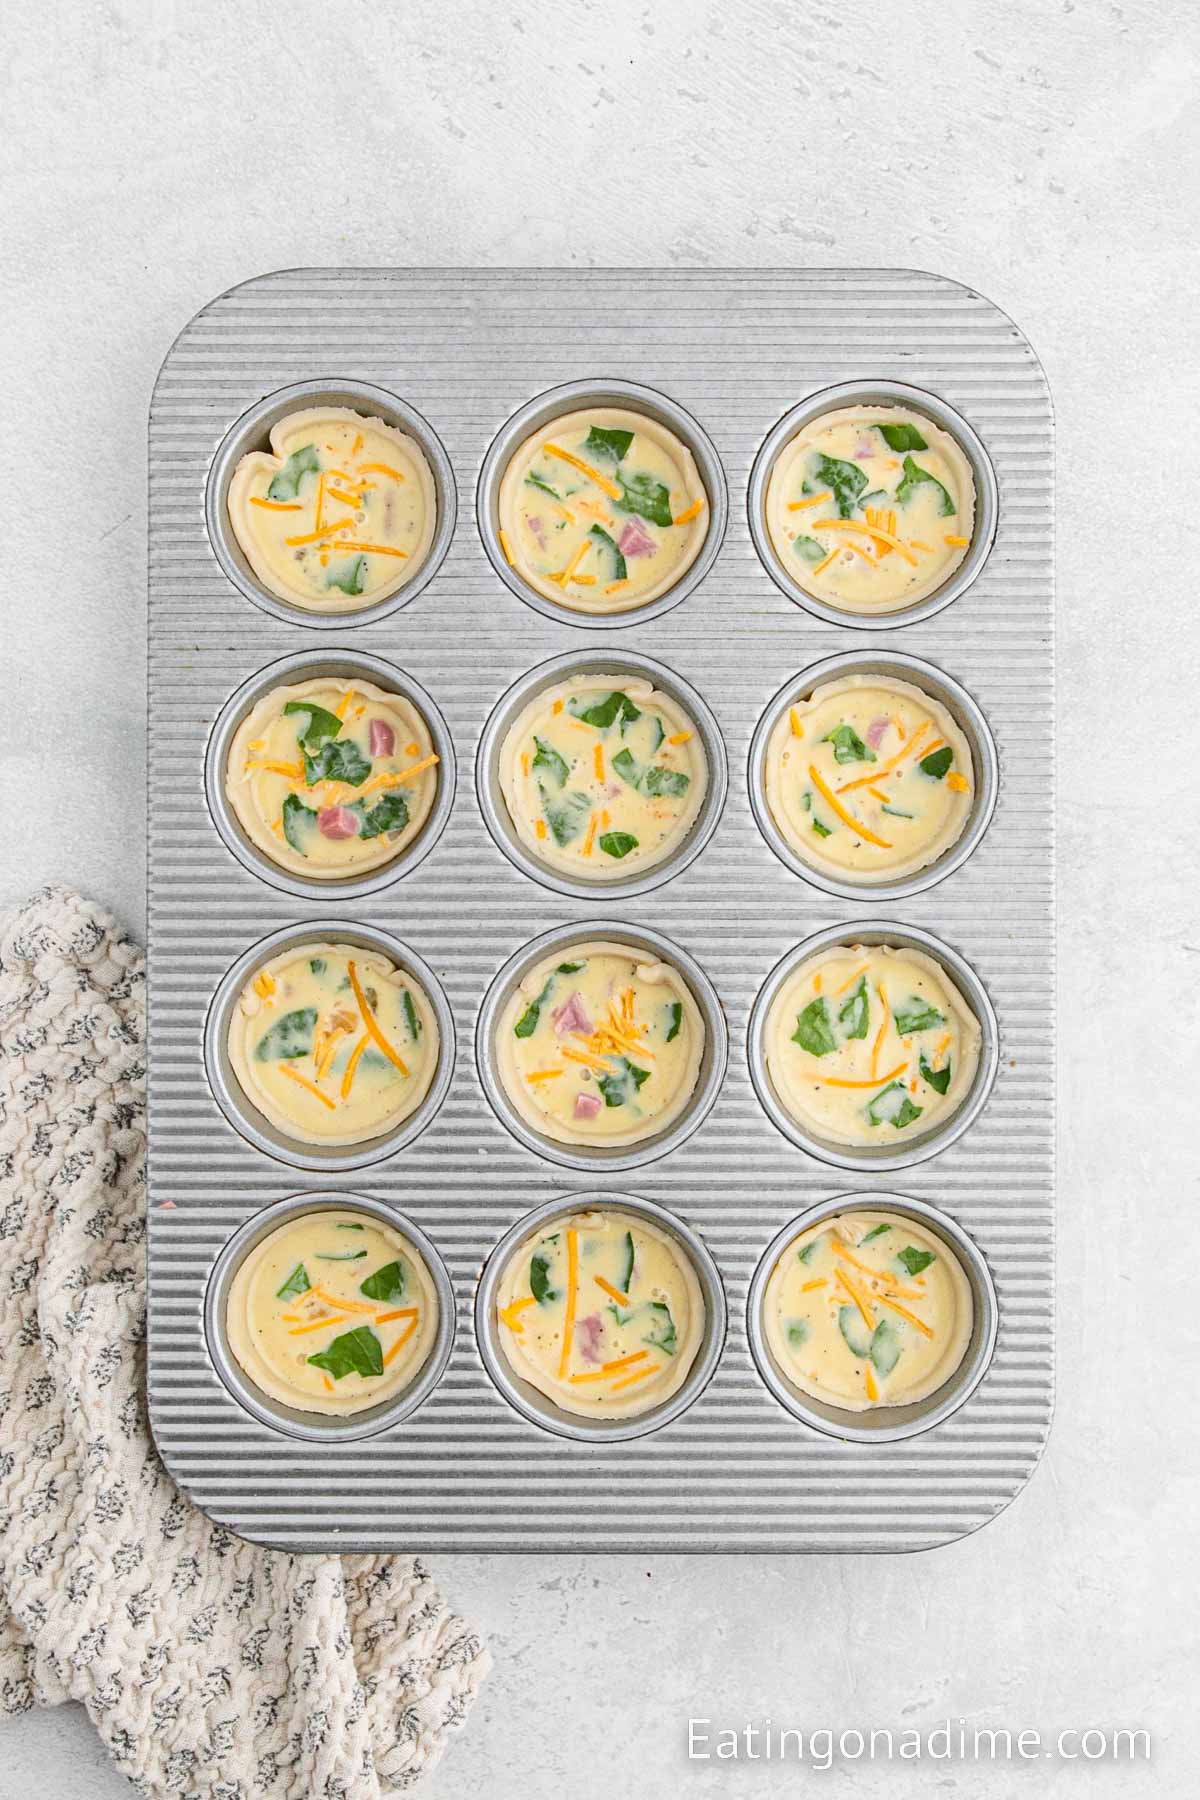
(303, 1081)
(835, 1081)
(814, 500)
(602, 482)
(569, 1312)
(277, 505)
(613, 1293)
(693, 512)
(380, 469)
(351, 1068)
(317, 1324)
(369, 1020)
(922, 1327)
(847, 818)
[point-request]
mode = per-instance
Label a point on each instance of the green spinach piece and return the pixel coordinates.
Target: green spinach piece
(896, 813)
(350, 576)
(539, 1279)
(797, 1333)
(938, 1079)
(605, 443)
(410, 1016)
(856, 1011)
(628, 767)
(915, 1260)
(643, 495)
(892, 1106)
(623, 1084)
(809, 549)
(296, 1284)
(289, 1038)
(386, 1284)
(317, 964)
(338, 760)
(675, 1015)
(617, 844)
(848, 746)
(322, 724)
(914, 476)
(916, 1015)
(603, 713)
(937, 762)
(340, 1256)
(661, 783)
(570, 968)
(821, 830)
(619, 567)
(885, 1347)
(298, 822)
(566, 816)
(845, 481)
(627, 1275)
(814, 1029)
(357, 1352)
(902, 436)
(806, 1255)
(526, 1025)
(547, 757)
(661, 1335)
(851, 1326)
(875, 1231)
(388, 814)
(534, 480)
(285, 484)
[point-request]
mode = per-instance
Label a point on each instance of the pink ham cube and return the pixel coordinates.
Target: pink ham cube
(383, 738)
(337, 822)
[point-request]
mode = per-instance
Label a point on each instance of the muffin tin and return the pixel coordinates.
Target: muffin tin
(469, 363)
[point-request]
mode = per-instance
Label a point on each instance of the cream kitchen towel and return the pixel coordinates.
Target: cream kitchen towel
(211, 1669)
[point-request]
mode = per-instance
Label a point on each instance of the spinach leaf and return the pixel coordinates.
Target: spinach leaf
(534, 480)
(875, 1231)
(675, 1015)
(914, 475)
(605, 443)
(601, 537)
(617, 844)
(845, 480)
(809, 549)
(814, 1031)
(892, 1106)
(385, 1284)
(317, 964)
(603, 713)
(916, 1015)
(806, 1255)
(902, 436)
(341, 1256)
(821, 830)
(339, 760)
(661, 1335)
(856, 1011)
(628, 767)
(847, 745)
(565, 816)
(410, 1016)
(643, 495)
(526, 1025)
(885, 1347)
(937, 762)
(938, 1079)
(571, 968)
(623, 1084)
(388, 814)
(915, 1260)
(357, 1352)
(322, 724)
(659, 782)
(289, 1037)
(896, 813)
(285, 484)
(350, 576)
(851, 1326)
(296, 1284)
(656, 725)
(547, 757)
(627, 1274)
(298, 822)
(797, 1333)
(539, 1280)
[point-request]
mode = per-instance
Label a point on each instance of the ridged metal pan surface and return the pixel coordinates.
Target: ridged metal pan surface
(466, 351)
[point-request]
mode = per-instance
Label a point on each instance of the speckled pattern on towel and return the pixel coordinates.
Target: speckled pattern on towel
(211, 1669)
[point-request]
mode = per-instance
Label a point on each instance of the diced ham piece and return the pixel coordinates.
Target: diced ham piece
(864, 450)
(587, 1106)
(635, 540)
(588, 1331)
(337, 822)
(535, 525)
(383, 738)
(570, 1016)
(875, 731)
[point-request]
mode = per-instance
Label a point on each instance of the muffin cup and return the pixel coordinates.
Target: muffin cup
(573, 397)
(866, 1157)
(882, 1424)
(241, 1111)
(317, 1428)
(584, 662)
(712, 1064)
(940, 687)
(529, 1401)
(252, 432)
(877, 393)
(307, 665)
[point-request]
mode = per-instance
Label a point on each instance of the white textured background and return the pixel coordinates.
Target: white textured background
(1044, 151)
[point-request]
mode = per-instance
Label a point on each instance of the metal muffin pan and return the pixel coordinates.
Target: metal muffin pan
(965, 712)
(237, 1105)
(882, 1424)
(319, 1428)
(712, 1063)
(909, 1151)
(289, 671)
(573, 397)
(599, 662)
(534, 1405)
(482, 356)
(252, 432)
(878, 393)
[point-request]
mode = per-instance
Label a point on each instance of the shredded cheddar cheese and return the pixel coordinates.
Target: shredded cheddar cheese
(569, 1312)
(628, 1380)
(814, 500)
(680, 737)
(958, 543)
(958, 782)
(612, 1292)
(831, 799)
(369, 1021)
(922, 1327)
(602, 482)
(795, 722)
(318, 1324)
(304, 1082)
(381, 469)
(693, 512)
(835, 1081)
(874, 531)
(507, 549)
(277, 505)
